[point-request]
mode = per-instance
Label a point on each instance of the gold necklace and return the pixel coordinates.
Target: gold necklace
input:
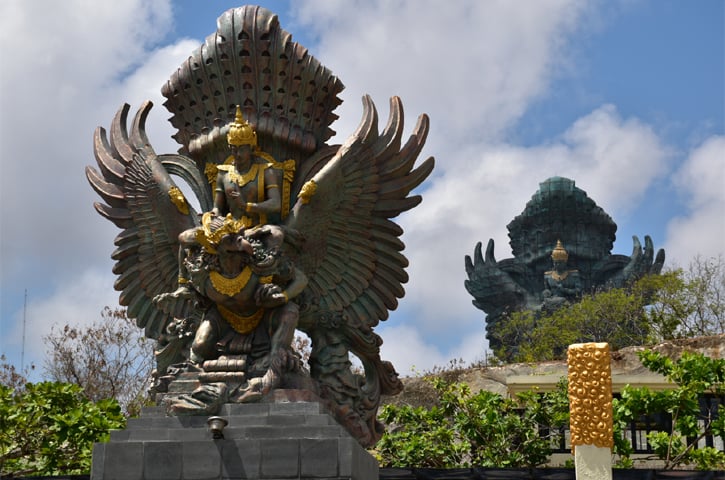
(242, 179)
(559, 277)
(230, 286)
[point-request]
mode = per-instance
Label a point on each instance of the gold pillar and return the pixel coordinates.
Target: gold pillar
(590, 395)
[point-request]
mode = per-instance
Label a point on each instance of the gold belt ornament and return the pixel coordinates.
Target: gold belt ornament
(240, 323)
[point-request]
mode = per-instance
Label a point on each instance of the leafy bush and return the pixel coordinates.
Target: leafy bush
(467, 429)
(49, 428)
(694, 375)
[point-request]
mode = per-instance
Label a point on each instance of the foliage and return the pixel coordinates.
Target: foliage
(465, 428)
(675, 304)
(108, 359)
(49, 428)
(694, 374)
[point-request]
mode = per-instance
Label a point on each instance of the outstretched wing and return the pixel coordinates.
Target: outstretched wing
(142, 200)
(352, 251)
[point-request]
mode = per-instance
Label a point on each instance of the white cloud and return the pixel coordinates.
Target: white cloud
(473, 66)
(411, 351)
(67, 69)
(64, 78)
(701, 181)
(408, 351)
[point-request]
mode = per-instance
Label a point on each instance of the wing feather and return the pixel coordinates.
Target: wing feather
(135, 184)
(352, 255)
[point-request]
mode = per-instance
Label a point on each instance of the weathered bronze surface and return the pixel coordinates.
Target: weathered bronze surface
(562, 245)
(297, 233)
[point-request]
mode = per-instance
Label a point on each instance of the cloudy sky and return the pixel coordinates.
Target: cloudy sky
(624, 97)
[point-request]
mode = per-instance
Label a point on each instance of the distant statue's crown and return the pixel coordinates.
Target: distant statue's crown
(241, 132)
(559, 253)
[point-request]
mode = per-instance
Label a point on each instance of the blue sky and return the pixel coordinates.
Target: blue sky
(625, 97)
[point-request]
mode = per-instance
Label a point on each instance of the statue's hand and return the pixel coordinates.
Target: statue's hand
(642, 261)
(479, 265)
(165, 301)
(491, 286)
(270, 296)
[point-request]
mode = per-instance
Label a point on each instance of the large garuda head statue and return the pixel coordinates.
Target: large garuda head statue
(317, 249)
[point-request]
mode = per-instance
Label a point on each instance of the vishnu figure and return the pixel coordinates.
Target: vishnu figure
(247, 188)
(560, 284)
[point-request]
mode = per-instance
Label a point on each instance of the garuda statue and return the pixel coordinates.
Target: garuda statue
(562, 245)
(295, 233)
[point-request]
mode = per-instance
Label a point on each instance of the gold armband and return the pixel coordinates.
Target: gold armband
(286, 298)
(273, 186)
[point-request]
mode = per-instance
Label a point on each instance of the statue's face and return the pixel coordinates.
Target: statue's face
(242, 153)
(559, 265)
(234, 244)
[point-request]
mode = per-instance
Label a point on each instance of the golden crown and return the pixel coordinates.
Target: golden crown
(241, 132)
(559, 253)
(214, 228)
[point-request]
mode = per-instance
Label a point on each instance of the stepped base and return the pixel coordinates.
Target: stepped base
(283, 438)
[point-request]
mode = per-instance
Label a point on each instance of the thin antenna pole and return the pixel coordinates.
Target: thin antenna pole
(22, 352)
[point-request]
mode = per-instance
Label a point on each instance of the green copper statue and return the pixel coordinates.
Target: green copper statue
(562, 244)
(295, 234)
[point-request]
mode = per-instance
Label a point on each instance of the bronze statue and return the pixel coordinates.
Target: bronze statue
(296, 234)
(561, 227)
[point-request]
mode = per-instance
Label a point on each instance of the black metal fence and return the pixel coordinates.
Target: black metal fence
(539, 474)
(499, 474)
(638, 430)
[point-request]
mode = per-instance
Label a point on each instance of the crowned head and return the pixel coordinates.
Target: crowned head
(241, 132)
(214, 229)
(559, 254)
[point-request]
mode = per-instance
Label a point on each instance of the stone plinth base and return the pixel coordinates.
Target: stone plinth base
(283, 439)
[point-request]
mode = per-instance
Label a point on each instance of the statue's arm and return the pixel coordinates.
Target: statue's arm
(273, 201)
(220, 200)
(297, 285)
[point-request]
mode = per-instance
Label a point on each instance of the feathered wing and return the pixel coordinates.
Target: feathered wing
(141, 200)
(352, 256)
(352, 252)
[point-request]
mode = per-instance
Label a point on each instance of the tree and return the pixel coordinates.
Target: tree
(688, 303)
(694, 376)
(49, 428)
(675, 304)
(615, 316)
(108, 359)
(465, 429)
(11, 377)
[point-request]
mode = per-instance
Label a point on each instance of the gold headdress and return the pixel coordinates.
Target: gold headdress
(211, 232)
(559, 253)
(241, 132)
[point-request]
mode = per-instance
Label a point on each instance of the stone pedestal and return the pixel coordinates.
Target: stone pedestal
(281, 439)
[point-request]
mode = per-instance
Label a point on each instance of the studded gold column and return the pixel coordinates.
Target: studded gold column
(590, 404)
